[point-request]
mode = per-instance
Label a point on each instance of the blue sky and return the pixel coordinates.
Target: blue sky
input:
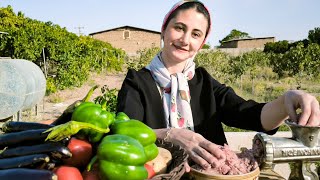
(283, 19)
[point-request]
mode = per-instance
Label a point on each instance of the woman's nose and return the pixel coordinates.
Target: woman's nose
(185, 39)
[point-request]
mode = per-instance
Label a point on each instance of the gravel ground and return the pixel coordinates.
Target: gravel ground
(52, 106)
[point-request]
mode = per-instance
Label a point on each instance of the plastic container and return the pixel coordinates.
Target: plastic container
(22, 86)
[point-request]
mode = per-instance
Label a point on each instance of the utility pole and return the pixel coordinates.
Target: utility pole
(79, 30)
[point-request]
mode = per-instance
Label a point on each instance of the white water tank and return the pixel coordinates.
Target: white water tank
(22, 86)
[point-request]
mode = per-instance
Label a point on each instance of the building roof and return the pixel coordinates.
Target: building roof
(121, 27)
(248, 39)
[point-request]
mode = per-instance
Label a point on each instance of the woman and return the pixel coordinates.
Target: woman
(186, 106)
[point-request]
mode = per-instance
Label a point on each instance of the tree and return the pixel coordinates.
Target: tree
(206, 46)
(314, 35)
(235, 34)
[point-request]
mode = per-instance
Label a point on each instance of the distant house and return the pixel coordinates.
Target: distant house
(130, 39)
(247, 42)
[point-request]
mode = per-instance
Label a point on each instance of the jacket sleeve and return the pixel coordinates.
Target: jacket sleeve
(129, 98)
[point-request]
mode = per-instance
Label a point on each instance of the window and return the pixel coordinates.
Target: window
(126, 34)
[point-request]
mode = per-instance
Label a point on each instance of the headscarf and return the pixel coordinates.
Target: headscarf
(174, 88)
(175, 6)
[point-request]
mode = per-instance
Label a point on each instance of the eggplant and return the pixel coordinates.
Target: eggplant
(34, 136)
(16, 126)
(50, 166)
(29, 161)
(27, 174)
(53, 149)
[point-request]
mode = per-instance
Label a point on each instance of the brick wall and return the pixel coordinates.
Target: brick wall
(139, 39)
(247, 43)
(254, 43)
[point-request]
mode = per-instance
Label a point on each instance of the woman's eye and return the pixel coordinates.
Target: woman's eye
(196, 35)
(179, 28)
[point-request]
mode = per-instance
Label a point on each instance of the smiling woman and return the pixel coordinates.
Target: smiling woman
(185, 105)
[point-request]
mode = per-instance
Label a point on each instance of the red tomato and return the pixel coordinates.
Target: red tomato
(68, 173)
(150, 170)
(93, 174)
(81, 153)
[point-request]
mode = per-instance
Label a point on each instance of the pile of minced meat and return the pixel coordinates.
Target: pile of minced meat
(235, 163)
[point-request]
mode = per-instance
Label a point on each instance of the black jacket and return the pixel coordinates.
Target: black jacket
(212, 103)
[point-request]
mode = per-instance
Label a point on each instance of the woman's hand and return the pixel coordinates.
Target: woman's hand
(310, 112)
(275, 112)
(200, 150)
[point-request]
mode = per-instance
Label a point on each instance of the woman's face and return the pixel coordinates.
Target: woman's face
(184, 35)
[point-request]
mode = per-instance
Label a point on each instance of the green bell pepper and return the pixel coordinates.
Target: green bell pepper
(139, 131)
(121, 116)
(121, 157)
(95, 114)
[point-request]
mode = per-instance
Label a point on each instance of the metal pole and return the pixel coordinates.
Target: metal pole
(45, 64)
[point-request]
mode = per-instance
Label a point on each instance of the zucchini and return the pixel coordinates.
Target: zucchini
(53, 149)
(34, 136)
(27, 174)
(16, 126)
(30, 161)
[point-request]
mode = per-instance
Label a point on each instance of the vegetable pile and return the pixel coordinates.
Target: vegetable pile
(26, 155)
(86, 142)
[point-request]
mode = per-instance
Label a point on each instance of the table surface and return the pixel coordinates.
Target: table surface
(269, 175)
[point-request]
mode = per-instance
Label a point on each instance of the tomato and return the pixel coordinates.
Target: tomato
(81, 153)
(93, 174)
(47, 121)
(150, 170)
(68, 173)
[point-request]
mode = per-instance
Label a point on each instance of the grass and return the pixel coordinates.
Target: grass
(55, 98)
(233, 129)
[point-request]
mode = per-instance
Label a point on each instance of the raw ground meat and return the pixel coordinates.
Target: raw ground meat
(235, 163)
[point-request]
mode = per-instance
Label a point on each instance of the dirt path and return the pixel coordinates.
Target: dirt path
(52, 106)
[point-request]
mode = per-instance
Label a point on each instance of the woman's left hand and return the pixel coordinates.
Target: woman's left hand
(309, 105)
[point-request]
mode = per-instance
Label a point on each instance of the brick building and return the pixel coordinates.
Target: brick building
(129, 38)
(247, 42)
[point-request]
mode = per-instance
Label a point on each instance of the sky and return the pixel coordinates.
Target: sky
(283, 19)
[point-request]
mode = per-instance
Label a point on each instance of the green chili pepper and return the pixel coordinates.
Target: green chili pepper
(121, 157)
(139, 131)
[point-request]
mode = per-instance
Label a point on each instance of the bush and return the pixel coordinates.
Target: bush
(50, 86)
(143, 58)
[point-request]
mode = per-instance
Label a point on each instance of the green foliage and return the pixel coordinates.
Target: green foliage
(70, 58)
(314, 35)
(276, 47)
(50, 86)
(206, 46)
(235, 34)
(249, 63)
(298, 61)
(142, 59)
(110, 96)
(215, 62)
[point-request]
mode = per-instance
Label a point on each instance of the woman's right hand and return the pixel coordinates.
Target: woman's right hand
(200, 150)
